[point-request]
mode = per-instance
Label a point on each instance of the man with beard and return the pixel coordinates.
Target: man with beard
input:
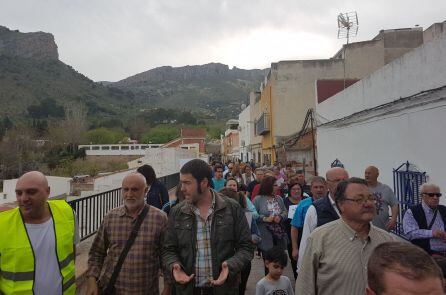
(337, 253)
(139, 273)
(208, 240)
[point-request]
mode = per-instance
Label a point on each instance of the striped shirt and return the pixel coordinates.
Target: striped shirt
(203, 259)
(335, 260)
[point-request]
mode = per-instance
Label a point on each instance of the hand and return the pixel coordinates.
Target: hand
(277, 219)
(295, 254)
(223, 275)
(167, 290)
(92, 286)
(180, 276)
(268, 219)
(391, 225)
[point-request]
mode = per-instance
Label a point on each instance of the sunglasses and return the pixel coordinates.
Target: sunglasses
(438, 195)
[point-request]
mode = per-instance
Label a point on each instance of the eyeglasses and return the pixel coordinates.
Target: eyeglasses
(363, 200)
(438, 195)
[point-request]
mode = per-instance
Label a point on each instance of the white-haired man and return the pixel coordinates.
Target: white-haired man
(424, 224)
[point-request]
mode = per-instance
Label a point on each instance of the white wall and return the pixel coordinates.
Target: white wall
(58, 186)
(117, 149)
(414, 134)
(245, 122)
(419, 70)
(388, 142)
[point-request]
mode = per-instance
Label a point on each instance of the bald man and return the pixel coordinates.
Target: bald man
(385, 200)
(37, 241)
(323, 210)
(140, 271)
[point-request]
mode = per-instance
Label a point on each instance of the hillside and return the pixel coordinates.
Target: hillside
(33, 78)
(213, 88)
(30, 73)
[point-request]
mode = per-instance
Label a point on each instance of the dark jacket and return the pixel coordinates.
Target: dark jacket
(230, 242)
(325, 211)
(157, 196)
(420, 218)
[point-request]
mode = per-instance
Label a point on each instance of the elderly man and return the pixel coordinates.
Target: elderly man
(402, 269)
(385, 199)
(424, 224)
(37, 241)
(323, 210)
(140, 270)
(208, 241)
(318, 189)
(335, 260)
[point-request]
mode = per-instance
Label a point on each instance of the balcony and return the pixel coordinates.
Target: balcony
(262, 124)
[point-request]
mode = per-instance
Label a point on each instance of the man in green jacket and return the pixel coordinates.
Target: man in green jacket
(208, 240)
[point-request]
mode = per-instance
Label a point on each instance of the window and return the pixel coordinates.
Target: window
(115, 148)
(95, 148)
(105, 147)
(124, 147)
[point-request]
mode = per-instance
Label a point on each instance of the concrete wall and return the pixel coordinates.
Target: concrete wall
(436, 31)
(416, 71)
(413, 134)
(58, 186)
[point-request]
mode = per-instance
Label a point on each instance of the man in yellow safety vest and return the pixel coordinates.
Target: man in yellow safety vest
(37, 241)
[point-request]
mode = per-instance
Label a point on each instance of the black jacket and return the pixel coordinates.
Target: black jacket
(157, 196)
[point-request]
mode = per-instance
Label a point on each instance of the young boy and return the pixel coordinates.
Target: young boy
(274, 283)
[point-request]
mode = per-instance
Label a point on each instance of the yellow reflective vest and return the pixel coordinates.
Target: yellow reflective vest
(17, 256)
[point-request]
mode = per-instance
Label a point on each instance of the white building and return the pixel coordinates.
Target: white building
(245, 126)
(117, 149)
(59, 186)
(397, 114)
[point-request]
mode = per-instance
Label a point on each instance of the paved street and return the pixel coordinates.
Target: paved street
(257, 272)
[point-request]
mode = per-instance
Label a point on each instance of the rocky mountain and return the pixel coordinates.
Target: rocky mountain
(38, 45)
(31, 75)
(211, 88)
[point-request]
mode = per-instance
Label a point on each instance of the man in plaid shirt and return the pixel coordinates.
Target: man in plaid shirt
(140, 271)
(208, 241)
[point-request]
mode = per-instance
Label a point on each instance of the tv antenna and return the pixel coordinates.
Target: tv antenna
(347, 28)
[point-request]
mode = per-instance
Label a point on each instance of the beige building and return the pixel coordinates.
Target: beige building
(289, 90)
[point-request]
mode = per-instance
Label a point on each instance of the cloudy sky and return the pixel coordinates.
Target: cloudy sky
(113, 39)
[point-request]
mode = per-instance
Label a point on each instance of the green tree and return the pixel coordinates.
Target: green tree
(160, 134)
(105, 136)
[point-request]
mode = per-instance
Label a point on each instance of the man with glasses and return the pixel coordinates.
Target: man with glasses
(323, 210)
(424, 224)
(336, 257)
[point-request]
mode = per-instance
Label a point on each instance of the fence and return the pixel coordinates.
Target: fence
(406, 183)
(90, 211)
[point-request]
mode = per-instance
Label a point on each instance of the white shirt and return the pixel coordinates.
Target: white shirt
(310, 224)
(48, 279)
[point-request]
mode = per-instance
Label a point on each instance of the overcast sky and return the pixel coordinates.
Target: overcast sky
(113, 39)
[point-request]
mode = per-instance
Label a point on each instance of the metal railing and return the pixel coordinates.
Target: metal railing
(91, 210)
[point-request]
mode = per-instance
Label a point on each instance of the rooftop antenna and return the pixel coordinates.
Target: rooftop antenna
(347, 28)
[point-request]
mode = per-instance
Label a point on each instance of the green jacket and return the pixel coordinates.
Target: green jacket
(230, 242)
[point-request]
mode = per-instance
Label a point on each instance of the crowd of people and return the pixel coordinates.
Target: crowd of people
(334, 231)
